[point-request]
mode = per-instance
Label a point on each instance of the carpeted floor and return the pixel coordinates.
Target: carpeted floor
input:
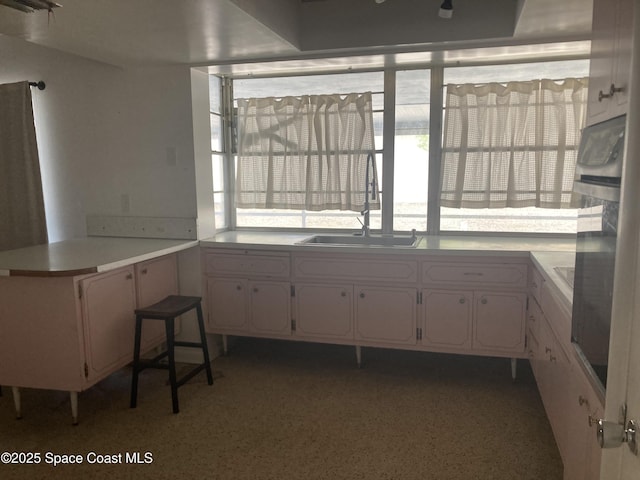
(286, 410)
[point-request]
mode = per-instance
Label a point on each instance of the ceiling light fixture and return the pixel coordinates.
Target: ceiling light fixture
(29, 6)
(446, 9)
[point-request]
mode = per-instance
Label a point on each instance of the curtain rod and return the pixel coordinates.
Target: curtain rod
(41, 85)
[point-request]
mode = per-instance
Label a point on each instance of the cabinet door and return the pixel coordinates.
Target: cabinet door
(386, 315)
(324, 311)
(155, 279)
(500, 322)
(108, 304)
(227, 301)
(584, 454)
(610, 58)
(447, 319)
(552, 373)
(270, 312)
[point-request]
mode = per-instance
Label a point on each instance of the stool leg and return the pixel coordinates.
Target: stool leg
(136, 361)
(17, 402)
(172, 363)
(205, 349)
(73, 397)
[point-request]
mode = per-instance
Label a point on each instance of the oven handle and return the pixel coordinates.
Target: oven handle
(603, 192)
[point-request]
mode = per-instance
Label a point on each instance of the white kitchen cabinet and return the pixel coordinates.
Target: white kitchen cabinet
(108, 304)
(385, 315)
(585, 408)
(242, 306)
(448, 319)
(248, 292)
(610, 59)
(155, 279)
(80, 329)
(227, 305)
(482, 311)
(270, 308)
(499, 321)
(552, 376)
(324, 311)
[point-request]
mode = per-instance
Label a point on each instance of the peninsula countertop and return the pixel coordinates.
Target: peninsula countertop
(85, 255)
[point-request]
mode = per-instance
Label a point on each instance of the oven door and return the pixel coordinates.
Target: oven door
(593, 282)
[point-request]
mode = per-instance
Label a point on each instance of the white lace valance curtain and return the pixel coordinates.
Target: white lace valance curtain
(512, 145)
(305, 153)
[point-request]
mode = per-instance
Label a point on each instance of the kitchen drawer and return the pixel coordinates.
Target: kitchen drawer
(355, 268)
(558, 316)
(247, 263)
(485, 274)
(536, 284)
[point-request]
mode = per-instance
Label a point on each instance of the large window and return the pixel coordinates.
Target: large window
(402, 102)
(218, 149)
(528, 219)
(314, 85)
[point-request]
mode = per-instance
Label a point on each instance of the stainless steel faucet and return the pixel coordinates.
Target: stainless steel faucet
(365, 211)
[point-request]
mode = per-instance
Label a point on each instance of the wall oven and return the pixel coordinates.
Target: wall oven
(599, 171)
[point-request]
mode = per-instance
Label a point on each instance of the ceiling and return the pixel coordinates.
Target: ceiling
(253, 36)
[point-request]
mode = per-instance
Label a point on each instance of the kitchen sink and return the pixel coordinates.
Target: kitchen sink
(362, 241)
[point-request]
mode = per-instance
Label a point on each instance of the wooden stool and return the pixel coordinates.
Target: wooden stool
(167, 310)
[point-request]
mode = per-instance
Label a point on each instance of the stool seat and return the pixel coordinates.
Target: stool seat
(171, 306)
(167, 310)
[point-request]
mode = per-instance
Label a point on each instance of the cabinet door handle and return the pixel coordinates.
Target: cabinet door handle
(238, 287)
(361, 294)
(612, 91)
(255, 289)
(483, 301)
(462, 300)
(552, 358)
(534, 285)
(583, 401)
(547, 350)
(343, 294)
(129, 276)
(143, 271)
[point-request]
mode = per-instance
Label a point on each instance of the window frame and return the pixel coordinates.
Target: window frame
(436, 114)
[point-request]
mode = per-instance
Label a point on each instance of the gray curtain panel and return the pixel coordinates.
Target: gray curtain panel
(22, 216)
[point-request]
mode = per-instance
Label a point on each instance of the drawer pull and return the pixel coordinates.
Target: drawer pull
(474, 274)
(255, 289)
(129, 276)
(552, 358)
(462, 300)
(144, 271)
(483, 301)
(547, 350)
(583, 401)
(343, 294)
(238, 287)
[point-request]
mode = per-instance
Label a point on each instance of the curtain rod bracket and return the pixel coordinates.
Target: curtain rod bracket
(41, 85)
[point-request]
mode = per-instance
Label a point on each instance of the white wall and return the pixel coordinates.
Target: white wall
(107, 136)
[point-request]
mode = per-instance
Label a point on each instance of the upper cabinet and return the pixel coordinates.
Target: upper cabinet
(610, 59)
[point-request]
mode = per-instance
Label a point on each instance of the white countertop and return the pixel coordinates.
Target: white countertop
(432, 244)
(85, 255)
(546, 263)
